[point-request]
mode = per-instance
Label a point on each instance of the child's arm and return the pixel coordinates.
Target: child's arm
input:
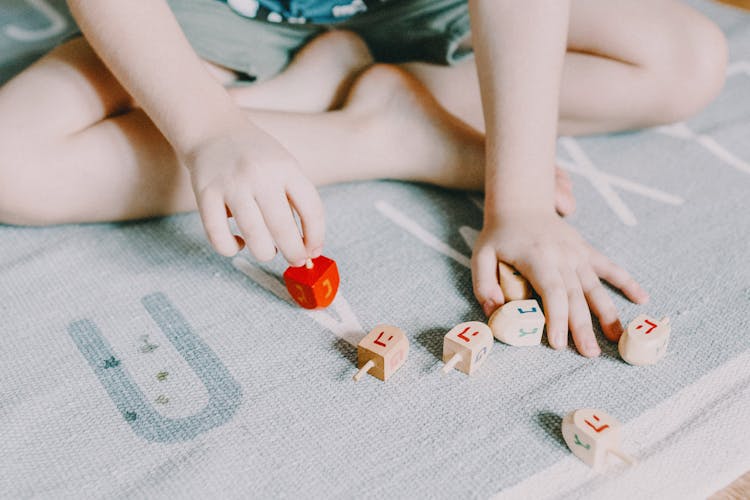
(231, 161)
(520, 47)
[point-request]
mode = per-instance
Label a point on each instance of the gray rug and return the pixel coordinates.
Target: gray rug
(136, 362)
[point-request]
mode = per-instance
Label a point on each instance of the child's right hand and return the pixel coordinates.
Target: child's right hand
(563, 268)
(248, 172)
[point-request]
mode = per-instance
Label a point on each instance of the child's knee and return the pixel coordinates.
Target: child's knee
(698, 70)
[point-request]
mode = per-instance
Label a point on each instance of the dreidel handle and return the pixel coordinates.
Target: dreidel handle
(365, 368)
(451, 364)
(309, 263)
(622, 456)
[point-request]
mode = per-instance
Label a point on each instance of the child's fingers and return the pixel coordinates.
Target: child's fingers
(618, 277)
(600, 303)
(306, 201)
(279, 218)
(253, 228)
(579, 317)
(485, 279)
(213, 215)
(545, 277)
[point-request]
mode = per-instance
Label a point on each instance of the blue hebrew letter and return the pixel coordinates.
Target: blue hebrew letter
(522, 332)
(480, 354)
(521, 311)
(224, 393)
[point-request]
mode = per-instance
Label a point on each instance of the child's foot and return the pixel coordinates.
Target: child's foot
(565, 203)
(420, 140)
(416, 138)
(317, 79)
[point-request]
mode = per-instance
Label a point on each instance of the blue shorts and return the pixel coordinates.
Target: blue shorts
(395, 31)
(302, 11)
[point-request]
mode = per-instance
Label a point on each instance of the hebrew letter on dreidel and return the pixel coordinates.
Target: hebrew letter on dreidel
(522, 332)
(644, 341)
(592, 435)
(224, 393)
(465, 346)
(518, 323)
(313, 285)
(382, 352)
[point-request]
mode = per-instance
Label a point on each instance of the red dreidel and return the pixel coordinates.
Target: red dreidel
(315, 284)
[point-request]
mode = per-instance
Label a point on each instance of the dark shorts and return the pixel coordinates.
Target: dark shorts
(397, 31)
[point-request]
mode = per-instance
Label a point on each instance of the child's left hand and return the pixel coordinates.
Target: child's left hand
(563, 269)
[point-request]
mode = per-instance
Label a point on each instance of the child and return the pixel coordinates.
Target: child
(130, 122)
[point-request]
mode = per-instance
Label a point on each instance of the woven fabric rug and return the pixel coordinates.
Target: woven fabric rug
(136, 362)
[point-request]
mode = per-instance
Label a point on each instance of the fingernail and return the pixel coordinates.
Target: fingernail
(617, 328)
(592, 348)
(559, 340)
(489, 307)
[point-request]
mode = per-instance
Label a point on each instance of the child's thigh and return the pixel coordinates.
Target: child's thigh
(641, 32)
(64, 92)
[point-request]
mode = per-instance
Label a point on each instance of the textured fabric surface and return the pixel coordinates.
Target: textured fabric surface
(407, 30)
(294, 11)
(135, 362)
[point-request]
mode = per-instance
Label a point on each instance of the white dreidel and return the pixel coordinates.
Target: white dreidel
(381, 352)
(519, 323)
(466, 346)
(593, 435)
(645, 340)
(513, 285)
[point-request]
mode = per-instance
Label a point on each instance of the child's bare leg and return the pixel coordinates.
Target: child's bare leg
(103, 160)
(331, 62)
(629, 65)
(389, 127)
(73, 148)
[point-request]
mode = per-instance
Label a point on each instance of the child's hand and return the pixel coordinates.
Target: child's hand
(257, 179)
(562, 268)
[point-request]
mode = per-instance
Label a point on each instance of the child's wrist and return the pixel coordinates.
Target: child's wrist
(219, 128)
(507, 202)
(207, 124)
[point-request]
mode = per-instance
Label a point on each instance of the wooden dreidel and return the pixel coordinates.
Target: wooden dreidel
(315, 284)
(593, 435)
(466, 346)
(382, 352)
(513, 285)
(519, 323)
(645, 340)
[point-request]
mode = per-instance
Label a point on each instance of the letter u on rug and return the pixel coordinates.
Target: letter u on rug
(224, 392)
